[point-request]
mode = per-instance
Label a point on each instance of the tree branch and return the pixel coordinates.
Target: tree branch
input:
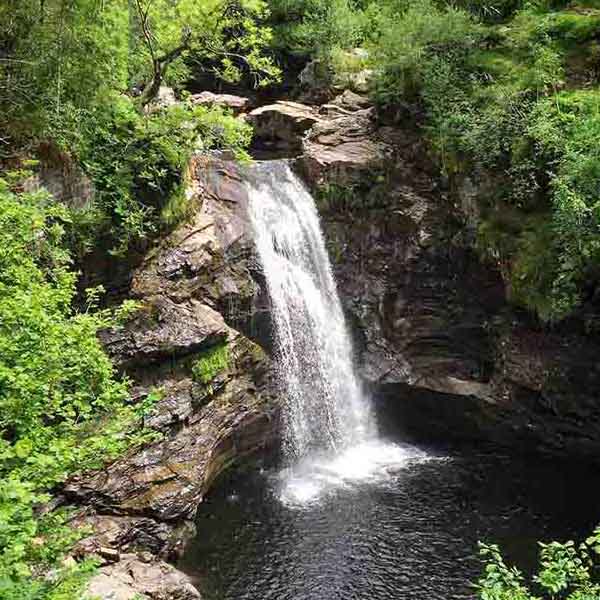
(143, 15)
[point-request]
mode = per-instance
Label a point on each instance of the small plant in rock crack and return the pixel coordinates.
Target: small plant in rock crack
(210, 363)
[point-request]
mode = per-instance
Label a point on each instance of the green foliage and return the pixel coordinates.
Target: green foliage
(137, 162)
(210, 363)
(71, 74)
(62, 408)
(59, 57)
(223, 35)
(566, 571)
(495, 103)
(316, 28)
(413, 43)
(491, 10)
(565, 129)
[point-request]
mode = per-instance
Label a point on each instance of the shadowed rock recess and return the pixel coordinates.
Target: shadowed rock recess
(215, 406)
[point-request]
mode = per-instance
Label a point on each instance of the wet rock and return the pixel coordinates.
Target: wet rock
(211, 256)
(127, 534)
(62, 177)
(131, 578)
(168, 479)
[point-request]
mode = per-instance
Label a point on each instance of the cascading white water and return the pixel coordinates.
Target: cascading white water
(329, 434)
(325, 407)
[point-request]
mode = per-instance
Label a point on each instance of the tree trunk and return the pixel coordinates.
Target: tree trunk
(151, 89)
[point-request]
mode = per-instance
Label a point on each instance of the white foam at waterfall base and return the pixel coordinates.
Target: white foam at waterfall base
(328, 428)
(372, 461)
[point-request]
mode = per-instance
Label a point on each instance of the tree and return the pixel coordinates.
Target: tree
(222, 35)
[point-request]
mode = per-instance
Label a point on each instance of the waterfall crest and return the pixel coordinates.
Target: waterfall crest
(325, 407)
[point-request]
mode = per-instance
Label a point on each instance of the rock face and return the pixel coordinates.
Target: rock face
(280, 126)
(443, 351)
(134, 579)
(344, 149)
(238, 104)
(193, 290)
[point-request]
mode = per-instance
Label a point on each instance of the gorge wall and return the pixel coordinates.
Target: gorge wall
(183, 347)
(445, 353)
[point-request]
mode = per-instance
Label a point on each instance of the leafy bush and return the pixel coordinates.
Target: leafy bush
(566, 129)
(494, 103)
(412, 43)
(210, 363)
(315, 28)
(137, 162)
(567, 571)
(62, 408)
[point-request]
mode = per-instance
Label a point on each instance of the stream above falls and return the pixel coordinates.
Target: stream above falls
(411, 535)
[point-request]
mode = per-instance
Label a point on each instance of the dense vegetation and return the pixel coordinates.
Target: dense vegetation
(508, 90)
(62, 407)
(78, 81)
(507, 95)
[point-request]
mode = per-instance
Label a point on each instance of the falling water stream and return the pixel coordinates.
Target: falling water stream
(329, 432)
(325, 407)
(349, 515)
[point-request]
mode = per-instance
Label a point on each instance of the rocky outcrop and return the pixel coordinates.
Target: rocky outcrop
(443, 351)
(135, 579)
(237, 104)
(280, 126)
(193, 290)
(345, 149)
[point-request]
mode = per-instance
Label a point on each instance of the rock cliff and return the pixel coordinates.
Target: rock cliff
(443, 350)
(214, 406)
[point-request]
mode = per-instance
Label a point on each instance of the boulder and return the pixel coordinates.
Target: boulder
(237, 104)
(165, 98)
(344, 150)
(134, 579)
(282, 125)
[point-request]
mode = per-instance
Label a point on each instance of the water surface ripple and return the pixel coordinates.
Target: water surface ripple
(410, 535)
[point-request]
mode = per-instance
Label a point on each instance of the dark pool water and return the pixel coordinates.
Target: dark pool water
(411, 536)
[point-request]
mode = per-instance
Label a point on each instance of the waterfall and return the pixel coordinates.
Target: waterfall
(325, 408)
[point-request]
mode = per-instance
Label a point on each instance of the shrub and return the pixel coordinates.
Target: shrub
(412, 43)
(210, 363)
(137, 162)
(567, 571)
(315, 28)
(565, 129)
(62, 407)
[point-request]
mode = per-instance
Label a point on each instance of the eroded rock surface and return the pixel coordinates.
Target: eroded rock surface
(237, 104)
(134, 579)
(436, 338)
(193, 290)
(281, 126)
